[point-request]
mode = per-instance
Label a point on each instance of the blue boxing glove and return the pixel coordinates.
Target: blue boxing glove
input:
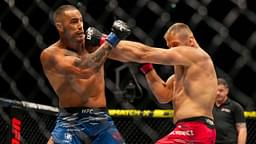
(119, 31)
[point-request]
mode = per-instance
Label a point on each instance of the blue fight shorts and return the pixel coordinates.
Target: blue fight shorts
(85, 126)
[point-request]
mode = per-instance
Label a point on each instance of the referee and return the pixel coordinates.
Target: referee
(229, 117)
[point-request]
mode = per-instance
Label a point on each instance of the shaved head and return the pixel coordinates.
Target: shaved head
(58, 14)
(68, 21)
(179, 29)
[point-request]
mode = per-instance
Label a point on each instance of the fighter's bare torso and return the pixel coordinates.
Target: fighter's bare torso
(194, 89)
(73, 90)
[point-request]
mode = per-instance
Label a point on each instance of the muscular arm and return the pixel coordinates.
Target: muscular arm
(129, 51)
(242, 133)
(162, 90)
(94, 60)
(69, 63)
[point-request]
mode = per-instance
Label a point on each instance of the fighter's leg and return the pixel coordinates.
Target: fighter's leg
(50, 141)
(110, 136)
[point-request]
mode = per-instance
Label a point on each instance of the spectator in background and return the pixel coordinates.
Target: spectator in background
(229, 117)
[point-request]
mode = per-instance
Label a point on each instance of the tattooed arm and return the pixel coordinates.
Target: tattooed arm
(66, 62)
(94, 60)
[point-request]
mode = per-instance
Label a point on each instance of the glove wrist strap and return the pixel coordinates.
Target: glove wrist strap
(113, 39)
(146, 68)
(103, 39)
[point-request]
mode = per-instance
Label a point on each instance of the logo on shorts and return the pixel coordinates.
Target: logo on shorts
(210, 122)
(116, 135)
(88, 111)
(68, 137)
(184, 133)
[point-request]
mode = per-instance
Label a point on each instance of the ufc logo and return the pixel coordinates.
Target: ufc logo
(16, 127)
(89, 33)
(89, 111)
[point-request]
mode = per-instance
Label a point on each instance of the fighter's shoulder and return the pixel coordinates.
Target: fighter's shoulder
(48, 52)
(196, 53)
(187, 50)
(201, 54)
(52, 49)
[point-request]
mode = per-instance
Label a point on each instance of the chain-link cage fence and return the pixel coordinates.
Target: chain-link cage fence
(225, 29)
(30, 124)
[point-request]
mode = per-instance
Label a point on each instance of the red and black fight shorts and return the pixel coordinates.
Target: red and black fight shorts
(195, 130)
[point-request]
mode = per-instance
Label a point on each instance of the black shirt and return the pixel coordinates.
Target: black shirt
(226, 116)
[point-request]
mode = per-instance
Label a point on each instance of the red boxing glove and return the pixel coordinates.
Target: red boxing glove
(146, 68)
